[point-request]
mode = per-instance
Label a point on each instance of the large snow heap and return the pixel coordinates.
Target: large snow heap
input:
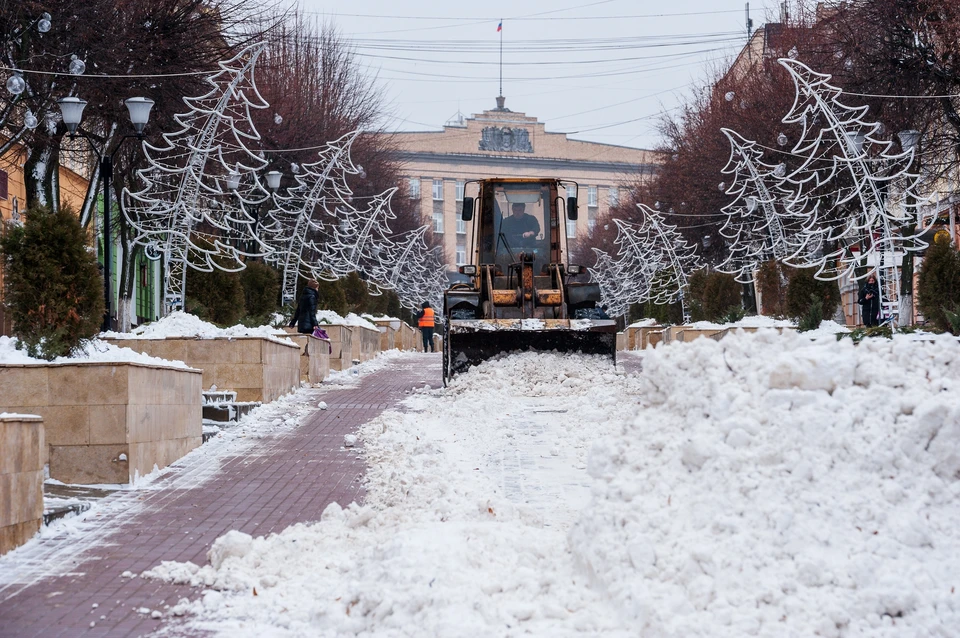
(765, 484)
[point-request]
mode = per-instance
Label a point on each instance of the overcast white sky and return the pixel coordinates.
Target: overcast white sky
(599, 70)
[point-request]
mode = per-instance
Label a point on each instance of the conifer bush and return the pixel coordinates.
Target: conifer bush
(772, 281)
(804, 290)
(215, 296)
(261, 289)
(721, 296)
(53, 286)
(938, 285)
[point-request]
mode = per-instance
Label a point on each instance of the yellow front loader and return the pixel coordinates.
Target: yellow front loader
(522, 294)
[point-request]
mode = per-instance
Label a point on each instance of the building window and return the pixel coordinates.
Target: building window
(591, 196)
(461, 225)
(571, 228)
(438, 222)
(591, 219)
(414, 188)
(460, 186)
(4, 185)
(614, 197)
(571, 190)
(438, 189)
(461, 254)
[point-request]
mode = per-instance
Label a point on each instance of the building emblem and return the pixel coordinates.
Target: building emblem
(495, 138)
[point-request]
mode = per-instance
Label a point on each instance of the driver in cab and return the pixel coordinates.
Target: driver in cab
(519, 228)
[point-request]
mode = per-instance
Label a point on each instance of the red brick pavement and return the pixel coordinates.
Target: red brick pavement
(288, 478)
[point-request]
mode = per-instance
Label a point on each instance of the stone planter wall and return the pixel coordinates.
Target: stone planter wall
(388, 338)
(21, 478)
(366, 343)
(341, 340)
(621, 341)
(689, 334)
(409, 337)
(314, 356)
(256, 368)
(107, 422)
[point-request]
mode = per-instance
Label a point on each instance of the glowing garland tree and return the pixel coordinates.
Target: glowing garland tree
(761, 223)
(843, 176)
(652, 264)
(321, 191)
(183, 214)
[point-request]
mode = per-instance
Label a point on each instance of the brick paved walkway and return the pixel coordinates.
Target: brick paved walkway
(288, 478)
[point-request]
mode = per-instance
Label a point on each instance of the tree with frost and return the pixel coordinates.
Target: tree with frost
(185, 214)
(845, 176)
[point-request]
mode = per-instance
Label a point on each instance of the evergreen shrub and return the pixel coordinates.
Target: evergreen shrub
(53, 286)
(938, 285)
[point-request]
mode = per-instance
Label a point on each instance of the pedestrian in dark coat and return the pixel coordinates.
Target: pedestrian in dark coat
(305, 318)
(869, 301)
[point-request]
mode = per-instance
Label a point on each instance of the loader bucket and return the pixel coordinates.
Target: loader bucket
(470, 342)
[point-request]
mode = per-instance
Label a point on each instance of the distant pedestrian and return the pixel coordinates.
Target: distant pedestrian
(305, 318)
(869, 300)
(425, 319)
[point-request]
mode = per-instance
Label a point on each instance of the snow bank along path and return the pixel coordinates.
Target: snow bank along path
(761, 485)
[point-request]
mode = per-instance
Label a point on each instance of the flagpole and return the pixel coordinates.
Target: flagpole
(501, 56)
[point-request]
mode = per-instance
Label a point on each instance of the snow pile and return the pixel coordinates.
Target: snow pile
(752, 321)
(352, 319)
(92, 351)
(643, 323)
(184, 324)
(765, 484)
(779, 487)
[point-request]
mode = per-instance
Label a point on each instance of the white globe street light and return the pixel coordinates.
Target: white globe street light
(71, 110)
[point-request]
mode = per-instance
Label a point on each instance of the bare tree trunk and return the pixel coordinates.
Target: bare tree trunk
(37, 179)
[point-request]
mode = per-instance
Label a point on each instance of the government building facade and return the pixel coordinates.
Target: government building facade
(505, 143)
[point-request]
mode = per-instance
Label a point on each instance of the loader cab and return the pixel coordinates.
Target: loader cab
(519, 217)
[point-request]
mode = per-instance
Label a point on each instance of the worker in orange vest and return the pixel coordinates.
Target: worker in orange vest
(426, 323)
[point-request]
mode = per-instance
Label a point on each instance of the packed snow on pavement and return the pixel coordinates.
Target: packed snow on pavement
(769, 485)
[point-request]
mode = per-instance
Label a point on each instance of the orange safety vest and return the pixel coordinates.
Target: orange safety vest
(426, 321)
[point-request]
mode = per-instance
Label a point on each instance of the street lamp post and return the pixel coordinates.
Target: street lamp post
(71, 109)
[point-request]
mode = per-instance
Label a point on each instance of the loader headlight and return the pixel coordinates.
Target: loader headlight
(468, 270)
(574, 270)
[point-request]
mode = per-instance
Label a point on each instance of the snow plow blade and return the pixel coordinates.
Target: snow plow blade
(470, 342)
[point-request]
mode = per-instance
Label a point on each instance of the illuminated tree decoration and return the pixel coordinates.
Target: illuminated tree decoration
(652, 264)
(184, 214)
(843, 177)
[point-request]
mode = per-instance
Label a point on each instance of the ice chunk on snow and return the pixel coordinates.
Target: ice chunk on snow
(349, 440)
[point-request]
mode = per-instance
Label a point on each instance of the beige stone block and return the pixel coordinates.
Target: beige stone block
(7, 506)
(21, 497)
(23, 386)
(249, 394)
(67, 424)
(108, 424)
(85, 384)
(237, 376)
(89, 463)
(21, 445)
(13, 536)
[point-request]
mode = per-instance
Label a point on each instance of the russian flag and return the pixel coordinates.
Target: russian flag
(500, 27)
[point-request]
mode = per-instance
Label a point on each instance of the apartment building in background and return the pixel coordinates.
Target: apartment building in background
(505, 143)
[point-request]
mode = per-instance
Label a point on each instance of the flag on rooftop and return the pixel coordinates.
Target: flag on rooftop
(500, 26)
